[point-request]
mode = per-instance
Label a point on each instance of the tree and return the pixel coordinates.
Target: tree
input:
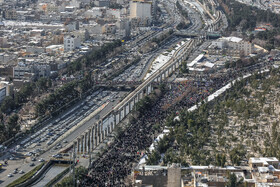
(42, 84)
(218, 160)
(163, 144)
(223, 160)
(153, 158)
(13, 123)
(7, 105)
(232, 181)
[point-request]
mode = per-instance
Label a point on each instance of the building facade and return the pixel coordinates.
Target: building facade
(140, 9)
(71, 43)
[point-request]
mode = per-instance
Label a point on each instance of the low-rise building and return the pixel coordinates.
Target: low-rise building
(109, 29)
(231, 45)
(102, 3)
(263, 162)
(262, 171)
(23, 70)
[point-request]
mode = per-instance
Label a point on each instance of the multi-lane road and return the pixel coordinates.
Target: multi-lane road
(45, 141)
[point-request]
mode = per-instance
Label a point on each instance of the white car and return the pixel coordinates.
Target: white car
(15, 171)
(10, 175)
(21, 172)
(28, 154)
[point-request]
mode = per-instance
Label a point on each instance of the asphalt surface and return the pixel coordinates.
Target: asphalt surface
(53, 172)
(84, 127)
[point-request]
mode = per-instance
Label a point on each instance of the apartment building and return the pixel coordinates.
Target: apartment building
(71, 42)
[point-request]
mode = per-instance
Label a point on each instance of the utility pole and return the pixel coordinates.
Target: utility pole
(74, 158)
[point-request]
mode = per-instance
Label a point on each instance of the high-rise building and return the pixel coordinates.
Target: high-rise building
(140, 9)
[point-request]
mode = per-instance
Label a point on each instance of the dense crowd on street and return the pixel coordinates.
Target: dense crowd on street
(116, 163)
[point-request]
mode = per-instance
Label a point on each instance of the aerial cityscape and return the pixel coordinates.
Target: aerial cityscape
(140, 93)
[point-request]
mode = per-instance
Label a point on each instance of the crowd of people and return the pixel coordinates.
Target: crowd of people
(117, 161)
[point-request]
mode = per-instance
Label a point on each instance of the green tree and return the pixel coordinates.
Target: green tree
(233, 182)
(153, 158)
(7, 105)
(12, 126)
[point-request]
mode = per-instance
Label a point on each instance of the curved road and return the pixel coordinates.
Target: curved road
(49, 175)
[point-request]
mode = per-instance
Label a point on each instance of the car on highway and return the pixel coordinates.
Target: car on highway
(33, 159)
(32, 164)
(15, 171)
(41, 160)
(10, 175)
(21, 172)
(57, 156)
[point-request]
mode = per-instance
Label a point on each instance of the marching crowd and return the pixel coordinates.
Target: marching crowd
(116, 163)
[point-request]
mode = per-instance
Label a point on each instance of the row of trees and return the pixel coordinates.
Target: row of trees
(9, 125)
(22, 96)
(159, 40)
(13, 102)
(241, 63)
(9, 128)
(64, 95)
(91, 58)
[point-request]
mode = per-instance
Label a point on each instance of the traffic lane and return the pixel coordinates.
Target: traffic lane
(72, 136)
(63, 126)
(93, 120)
(20, 163)
(43, 145)
(8, 155)
(48, 176)
(12, 165)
